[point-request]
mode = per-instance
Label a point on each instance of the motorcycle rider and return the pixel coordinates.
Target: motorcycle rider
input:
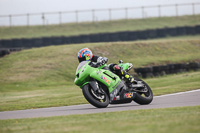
(85, 54)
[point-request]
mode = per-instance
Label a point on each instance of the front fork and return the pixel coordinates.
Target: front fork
(95, 87)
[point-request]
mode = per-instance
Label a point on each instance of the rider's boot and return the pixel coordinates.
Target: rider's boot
(122, 72)
(130, 79)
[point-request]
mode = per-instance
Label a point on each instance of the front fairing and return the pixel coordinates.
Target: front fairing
(85, 73)
(82, 73)
(106, 77)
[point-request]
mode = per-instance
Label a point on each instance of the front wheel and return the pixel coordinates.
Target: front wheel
(96, 99)
(143, 97)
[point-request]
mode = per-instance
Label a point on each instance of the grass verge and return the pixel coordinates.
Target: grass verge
(99, 27)
(173, 120)
(13, 98)
(58, 63)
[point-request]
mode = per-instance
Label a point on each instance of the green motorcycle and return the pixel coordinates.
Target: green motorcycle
(102, 87)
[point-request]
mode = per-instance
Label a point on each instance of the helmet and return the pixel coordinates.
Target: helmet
(85, 54)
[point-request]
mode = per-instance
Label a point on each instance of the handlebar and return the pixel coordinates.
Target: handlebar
(96, 64)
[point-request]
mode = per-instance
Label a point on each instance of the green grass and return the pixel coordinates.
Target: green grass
(99, 27)
(43, 77)
(175, 83)
(58, 63)
(170, 120)
(29, 96)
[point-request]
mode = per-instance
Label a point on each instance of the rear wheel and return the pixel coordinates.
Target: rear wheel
(99, 100)
(143, 97)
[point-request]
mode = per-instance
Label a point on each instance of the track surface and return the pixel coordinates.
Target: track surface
(189, 98)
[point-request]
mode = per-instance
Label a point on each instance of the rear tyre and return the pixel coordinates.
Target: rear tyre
(96, 99)
(143, 98)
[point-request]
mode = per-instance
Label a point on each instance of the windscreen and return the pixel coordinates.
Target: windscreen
(80, 65)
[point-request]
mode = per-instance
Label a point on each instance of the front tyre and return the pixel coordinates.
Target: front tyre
(143, 98)
(96, 99)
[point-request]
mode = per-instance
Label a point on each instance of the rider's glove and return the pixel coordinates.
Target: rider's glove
(102, 60)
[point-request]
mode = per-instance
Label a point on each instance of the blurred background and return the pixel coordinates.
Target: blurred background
(45, 12)
(39, 41)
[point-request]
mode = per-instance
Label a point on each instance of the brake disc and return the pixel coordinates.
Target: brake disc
(98, 96)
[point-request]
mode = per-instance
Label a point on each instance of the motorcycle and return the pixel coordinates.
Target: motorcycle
(102, 87)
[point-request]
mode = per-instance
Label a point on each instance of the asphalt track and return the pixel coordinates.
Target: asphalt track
(189, 98)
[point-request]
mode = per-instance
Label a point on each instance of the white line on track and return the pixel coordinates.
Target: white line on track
(179, 93)
(181, 99)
